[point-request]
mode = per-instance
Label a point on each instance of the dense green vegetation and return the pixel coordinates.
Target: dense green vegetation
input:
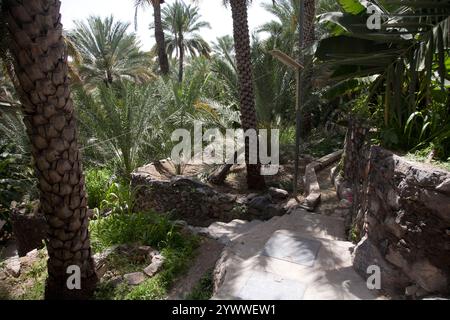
(147, 229)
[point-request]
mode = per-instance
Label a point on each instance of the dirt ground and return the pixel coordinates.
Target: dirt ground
(235, 182)
(208, 254)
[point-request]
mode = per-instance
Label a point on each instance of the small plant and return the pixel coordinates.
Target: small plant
(354, 234)
(119, 199)
(204, 289)
(239, 210)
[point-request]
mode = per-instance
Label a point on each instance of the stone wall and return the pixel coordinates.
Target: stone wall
(29, 226)
(402, 215)
(199, 204)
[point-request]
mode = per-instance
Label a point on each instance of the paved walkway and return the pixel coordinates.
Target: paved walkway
(297, 256)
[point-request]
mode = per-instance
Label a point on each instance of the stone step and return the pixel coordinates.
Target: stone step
(299, 221)
(314, 224)
(227, 232)
(327, 275)
(297, 256)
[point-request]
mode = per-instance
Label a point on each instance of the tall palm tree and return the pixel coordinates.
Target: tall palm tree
(108, 52)
(182, 24)
(246, 96)
(159, 32)
(283, 30)
(40, 63)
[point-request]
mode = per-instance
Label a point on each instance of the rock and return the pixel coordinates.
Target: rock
(29, 258)
(2, 223)
(241, 200)
(33, 254)
(421, 292)
(260, 202)
(396, 258)
(135, 278)
(116, 281)
(366, 254)
(444, 187)
(251, 196)
(428, 276)
(291, 205)
(13, 266)
(225, 240)
(145, 250)
(278, 193)
(155, 266)
(437, 202)
(411, 290)
(312, 200)
(100, 260)
(395, 227)
(181, 223)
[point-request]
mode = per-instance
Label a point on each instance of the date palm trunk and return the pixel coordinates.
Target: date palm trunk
(159, 37)
(246, 96)
(40, 63)
(181, 57)
(307, 38)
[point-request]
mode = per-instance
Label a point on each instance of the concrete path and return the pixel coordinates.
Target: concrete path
(297, 256)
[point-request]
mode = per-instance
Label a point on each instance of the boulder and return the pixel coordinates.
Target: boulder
(100, 260)
(428, 276)
(30, 258)
(366, 254)
(155, 266)
(278, 193)
(13, 266)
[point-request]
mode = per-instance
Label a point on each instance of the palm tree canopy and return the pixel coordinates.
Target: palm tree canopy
(108, 52)
(226, 2)
(182, 23)
(142, 4)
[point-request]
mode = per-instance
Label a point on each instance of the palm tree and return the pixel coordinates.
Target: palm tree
(120, 122)
(40, 60)
(224, 48)
(224, 68)
(247, 99)
(306, 39)
(284, 29)
(108, 52)
(182, 23)
(159, 33)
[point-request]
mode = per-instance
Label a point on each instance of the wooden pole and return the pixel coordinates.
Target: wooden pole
(298, 103)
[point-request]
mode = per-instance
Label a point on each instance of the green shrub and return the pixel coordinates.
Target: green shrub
(98, 182)
(146, 228)
(119, 198)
